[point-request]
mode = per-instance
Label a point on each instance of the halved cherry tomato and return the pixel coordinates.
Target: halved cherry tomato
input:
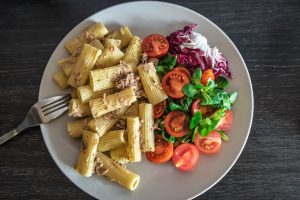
(183, 70)
(185, 157)
(173, 82)
(176, 123)
(159, 109)
(205, 110)
(207, 75)
(163, 150)
(155, 45)
(210, 144)
(226, 122)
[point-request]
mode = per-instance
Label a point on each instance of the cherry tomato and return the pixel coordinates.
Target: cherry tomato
(205, 110)
(159, 109)
(163, 150)
(226, 122)
(185, 157)
(176, 123)
(155, 45)
(183, 70)
(173, 82)
(210, 144)
(207, 75)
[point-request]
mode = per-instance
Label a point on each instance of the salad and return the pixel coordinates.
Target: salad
(196, 115)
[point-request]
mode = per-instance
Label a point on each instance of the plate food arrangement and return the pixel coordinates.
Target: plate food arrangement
(152, 105)
(162, 95)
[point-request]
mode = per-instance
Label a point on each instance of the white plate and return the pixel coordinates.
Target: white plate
(157, 181)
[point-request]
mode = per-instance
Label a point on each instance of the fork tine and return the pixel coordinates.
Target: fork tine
(49, 101)
(55, 104)
(57, 108)
(56, 113)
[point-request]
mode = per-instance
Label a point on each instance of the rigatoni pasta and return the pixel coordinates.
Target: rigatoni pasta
(88, 149)
(112, 42)
(78, 109)
(151, 83)
(67, 64)
(84, 64)
(115, 172)
(76, 127)
(109, 103)
(124, 34)
(110, 56)
(103, 124)
(85, 93)
(146, 129)
(111, 140)
(134, 150)
(97, 44)
(95, 31)
(61, 79)
(133, 51)
(120, 155)
(102, 79)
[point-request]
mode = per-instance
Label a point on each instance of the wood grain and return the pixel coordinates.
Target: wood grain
(267, 34)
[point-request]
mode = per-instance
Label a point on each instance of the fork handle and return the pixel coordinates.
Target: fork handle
(10, 134)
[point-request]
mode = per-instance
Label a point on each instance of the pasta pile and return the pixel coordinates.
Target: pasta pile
(113, 99)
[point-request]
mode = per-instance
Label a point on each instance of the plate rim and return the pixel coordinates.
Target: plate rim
(187, 10)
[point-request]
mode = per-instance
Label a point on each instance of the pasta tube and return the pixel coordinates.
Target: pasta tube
(120, 155)
(75, 127)
(102, 79)
(147, 131)
(151, 83)
(67, 64)
(96, 31)
(78, 109)
(101, 106)
(112, 42)
(115, 172)
(103, 124)
(133, 52)
(111, 140)
(97, 44)
(124, 34)
(110, 56)
(133, 139)
(61, 79)
(85, 93)
(84, 64)
(88, 150)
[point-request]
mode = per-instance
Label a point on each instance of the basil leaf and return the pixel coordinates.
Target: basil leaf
(204, 131)
(187, 104)
(189, 90)
(174, 106)
(233, 97)
(222, 82)
(186, 138)
(196, 130)
(160, 69)
(226, 103)
(210, 85)
(196, 77)
(223, 135)
(168, 137)
(166, 64)
(199, 86)
(206, 100)
(195, 120)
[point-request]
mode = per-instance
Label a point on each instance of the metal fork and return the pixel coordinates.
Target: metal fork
(42, 112)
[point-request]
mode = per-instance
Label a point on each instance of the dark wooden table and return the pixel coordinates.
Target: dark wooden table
(267, 33)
